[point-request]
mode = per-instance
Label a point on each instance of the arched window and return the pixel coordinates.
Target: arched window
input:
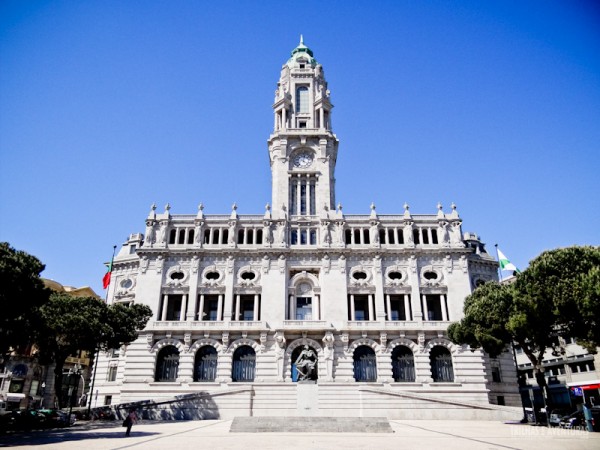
(167, 364)
(302, 99)
(244, 363)
(441, 364)
(365, 364)
(205, 364)
(403, 364)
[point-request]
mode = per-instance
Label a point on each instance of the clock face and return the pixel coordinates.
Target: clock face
(303, 160)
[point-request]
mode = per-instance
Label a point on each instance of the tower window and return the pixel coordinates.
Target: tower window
(302, 99)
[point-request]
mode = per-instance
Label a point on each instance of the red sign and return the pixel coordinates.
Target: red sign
(587, 387)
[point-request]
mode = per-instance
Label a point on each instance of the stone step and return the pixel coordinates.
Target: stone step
(310, 425)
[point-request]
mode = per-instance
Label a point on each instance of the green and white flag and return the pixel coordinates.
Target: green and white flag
(505, 264)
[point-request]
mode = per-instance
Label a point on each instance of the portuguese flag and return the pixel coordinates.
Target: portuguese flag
(106, 277)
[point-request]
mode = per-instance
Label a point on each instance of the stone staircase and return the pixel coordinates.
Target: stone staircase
(310, 425)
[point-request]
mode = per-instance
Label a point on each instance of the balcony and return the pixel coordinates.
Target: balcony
(302, 325)
(239, 325)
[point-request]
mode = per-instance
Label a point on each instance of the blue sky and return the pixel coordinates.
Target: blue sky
(109, 106)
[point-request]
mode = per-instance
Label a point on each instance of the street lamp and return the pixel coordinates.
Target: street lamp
(76, 370)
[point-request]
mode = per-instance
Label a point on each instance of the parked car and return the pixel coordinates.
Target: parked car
(56, 418)
(555, 416)
(573, 421)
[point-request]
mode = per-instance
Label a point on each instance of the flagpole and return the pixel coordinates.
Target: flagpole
(499, 268)
(97, 355)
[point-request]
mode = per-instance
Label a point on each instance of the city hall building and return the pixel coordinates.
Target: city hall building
(303, 309)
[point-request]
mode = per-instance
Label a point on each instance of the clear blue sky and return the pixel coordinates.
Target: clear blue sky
(109, 106)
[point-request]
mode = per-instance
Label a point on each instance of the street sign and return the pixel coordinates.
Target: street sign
(577, 391)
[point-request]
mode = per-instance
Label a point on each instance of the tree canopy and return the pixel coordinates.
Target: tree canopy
(21, 292)
(558, 295)
(68, 324)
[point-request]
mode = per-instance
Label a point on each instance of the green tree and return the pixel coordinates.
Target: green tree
(69, 324)
(557, 295)
(21, 292)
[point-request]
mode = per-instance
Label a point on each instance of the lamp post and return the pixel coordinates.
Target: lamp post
(43, 394)
(76, 370)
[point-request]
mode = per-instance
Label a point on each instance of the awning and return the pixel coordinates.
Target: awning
(12, 397)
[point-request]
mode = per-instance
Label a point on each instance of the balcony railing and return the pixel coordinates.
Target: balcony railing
(213, 324)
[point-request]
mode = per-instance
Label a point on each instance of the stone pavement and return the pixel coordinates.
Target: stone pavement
(214, 434)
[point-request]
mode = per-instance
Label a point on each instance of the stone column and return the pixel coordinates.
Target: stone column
(388, 304)
(184, 299)
(165, 304)
(407, 308)
(256, 303)
(352, 308)
(220, 308)
(371, 309)
(201, 308)
(316, 308)
(237, 307)
(425, 308)
(443, 307)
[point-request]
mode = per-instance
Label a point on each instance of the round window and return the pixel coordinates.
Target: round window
(430, 275)
(126, 283)
(359, 275)
(395, 275)
(212, 276)
(248, 276)
(177, 276)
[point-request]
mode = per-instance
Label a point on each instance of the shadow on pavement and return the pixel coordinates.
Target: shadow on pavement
(72, 434)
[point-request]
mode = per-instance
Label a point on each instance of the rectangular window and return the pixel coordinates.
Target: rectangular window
(303, 308)
(313, 207)
(434, 307)
(107, 400)
(361, 307)
(303, 237)
(303, 199)
(174, 307)
(293, 198)
(294, 237)
(397, 308)
(425, 233)
(112, 374)
(313, 237)
(181, 238)
(190, 239)
(247, 308)
(496, 378)
(211, 307)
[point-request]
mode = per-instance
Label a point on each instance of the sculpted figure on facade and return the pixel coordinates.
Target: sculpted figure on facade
(306, 364)
(325, 235)
(267, 233)
(198, 234)
(455, 233)
(279, 353)
(328, 352)
(339, 228)
(281, 232)
(150, 233)
(408, 233)
(232, 229)
(374, 232)
(162, 233)
(443, 232)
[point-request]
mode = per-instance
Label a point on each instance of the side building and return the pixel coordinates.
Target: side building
(303, 309)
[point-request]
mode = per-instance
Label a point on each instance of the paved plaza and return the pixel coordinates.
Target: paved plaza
(214, 434)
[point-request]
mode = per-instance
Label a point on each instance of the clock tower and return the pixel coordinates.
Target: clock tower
(302, 147)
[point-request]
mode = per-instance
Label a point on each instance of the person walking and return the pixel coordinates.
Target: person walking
(130, 420)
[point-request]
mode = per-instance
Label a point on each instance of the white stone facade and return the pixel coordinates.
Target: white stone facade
(236, 297)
